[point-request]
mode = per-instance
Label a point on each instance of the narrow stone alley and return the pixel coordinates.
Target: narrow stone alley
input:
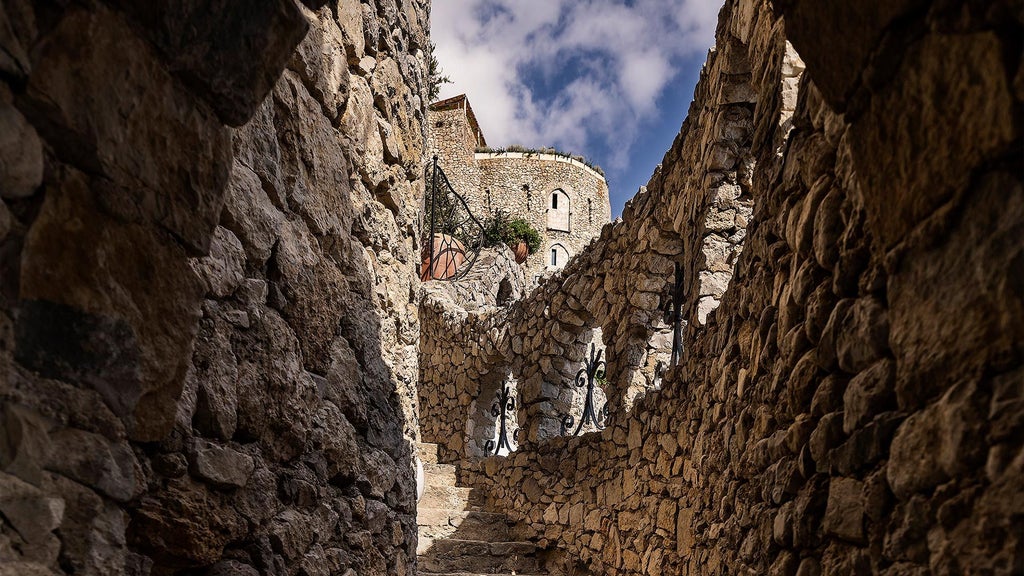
(223, 351)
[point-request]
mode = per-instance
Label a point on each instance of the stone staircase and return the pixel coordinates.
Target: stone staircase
(458, 538)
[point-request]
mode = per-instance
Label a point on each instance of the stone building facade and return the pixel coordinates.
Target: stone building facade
(207, 271)
(565, 200)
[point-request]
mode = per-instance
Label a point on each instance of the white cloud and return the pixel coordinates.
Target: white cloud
(625, 55)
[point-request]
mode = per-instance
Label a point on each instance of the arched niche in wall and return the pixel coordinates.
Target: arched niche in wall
(499, 398)
(558, 210)
(558, 255)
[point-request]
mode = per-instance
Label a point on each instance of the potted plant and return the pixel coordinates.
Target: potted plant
(516, 233)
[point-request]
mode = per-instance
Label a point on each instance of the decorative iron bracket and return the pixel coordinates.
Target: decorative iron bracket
(452, 235)
(677, 316)
(593, 370)
(504, 404)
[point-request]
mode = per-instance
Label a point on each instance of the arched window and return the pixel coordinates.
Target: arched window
(558, 214)
(559, 257)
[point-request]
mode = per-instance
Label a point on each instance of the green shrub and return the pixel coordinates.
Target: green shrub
(523, 231)
(543, 150)
(501, 229)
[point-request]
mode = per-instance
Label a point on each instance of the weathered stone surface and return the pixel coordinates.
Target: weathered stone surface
(937, 443)
(99, 95)
(184, 522)
(232, 568)
(221, 466)
(250, 214)
(215, 370)
(92, 532)
(233, 52)
(21, 155)
(857, 334)
(869, 393)
(25, 446)
(28, 510)
(933, 99)
(321, 62)
(166, 363)
(982, 301)
(844, 513)
(222, 270)
(92, 460)
(127, 327)
(837, 70)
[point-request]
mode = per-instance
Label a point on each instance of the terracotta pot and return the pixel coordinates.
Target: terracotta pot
(521, 250)
(449, 255)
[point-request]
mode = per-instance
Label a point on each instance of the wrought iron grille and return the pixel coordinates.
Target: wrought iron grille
(594, 369)
(504, 405)
(677, 316)
(452, 235)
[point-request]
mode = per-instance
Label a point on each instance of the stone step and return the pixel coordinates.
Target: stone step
(467, 525)
(427, 452)
(473, 556)
(450, 497)
(421, 572)
(439, 474)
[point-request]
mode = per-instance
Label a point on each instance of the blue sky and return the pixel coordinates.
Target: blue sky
(611, 80)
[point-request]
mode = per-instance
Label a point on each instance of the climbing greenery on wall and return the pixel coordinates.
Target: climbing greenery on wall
(545, 150)
(435, 76)
(502, 229)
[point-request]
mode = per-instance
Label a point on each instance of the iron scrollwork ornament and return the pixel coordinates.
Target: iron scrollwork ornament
(452, 235)
(593, 370)
(504, 404)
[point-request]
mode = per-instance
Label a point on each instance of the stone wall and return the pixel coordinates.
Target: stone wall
(520, 184)
(854, 404)
(692, 214)
(209, 334)
(460, 362)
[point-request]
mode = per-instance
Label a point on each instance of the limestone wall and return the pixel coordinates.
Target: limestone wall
(692, 213)
(854, 404)
(461, 365)
(209, 334)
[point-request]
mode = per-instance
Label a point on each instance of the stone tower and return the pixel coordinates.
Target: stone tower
(563, 198)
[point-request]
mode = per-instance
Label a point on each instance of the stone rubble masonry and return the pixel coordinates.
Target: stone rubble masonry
(852, 237)
(691, 213)
(208, 253)
(520, 184)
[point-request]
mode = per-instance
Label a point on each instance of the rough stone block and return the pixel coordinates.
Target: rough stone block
(869, 393)
(905, 166)
(837, 69)
(126, 329)
(232, 52)
(21, 153)
(101, 98)
(966, 320)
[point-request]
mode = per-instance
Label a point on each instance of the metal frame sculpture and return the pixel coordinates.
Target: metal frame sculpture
(504, 404)
(447, 216)
(593, 370)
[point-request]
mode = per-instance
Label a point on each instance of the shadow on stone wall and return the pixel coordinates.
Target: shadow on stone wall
(208, 336)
